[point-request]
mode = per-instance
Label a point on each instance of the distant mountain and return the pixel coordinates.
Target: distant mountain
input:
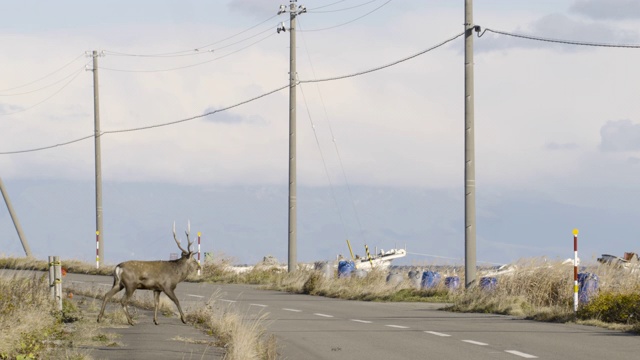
(250, 222)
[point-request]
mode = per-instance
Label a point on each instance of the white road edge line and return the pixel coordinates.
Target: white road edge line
(323, 315)
(261, 305)
(521, 354)
(294, 310)
(437, 333)
(196, 296)
(361, 321)
(475, 342)
(398, 326)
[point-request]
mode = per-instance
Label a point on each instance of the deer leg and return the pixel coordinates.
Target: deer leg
(107, 296)
(156, 298)
(125, 302)
(174, 298)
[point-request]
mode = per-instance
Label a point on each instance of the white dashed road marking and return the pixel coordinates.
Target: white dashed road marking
(437, 333)
(294, 310)
(196, 296)
(521, 354)
(398, 326)
(261, 305)
(230, 301)
(361, 321)
(324, 315)
(475, 342)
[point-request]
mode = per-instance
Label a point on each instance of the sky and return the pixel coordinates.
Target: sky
(557, 126)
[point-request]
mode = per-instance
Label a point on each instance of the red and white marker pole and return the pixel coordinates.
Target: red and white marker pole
(97, 249)
(199, 233)
(575, 270)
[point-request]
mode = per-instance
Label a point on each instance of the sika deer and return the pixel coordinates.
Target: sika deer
(159, 276)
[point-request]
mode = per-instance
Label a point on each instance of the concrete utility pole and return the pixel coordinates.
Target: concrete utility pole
(469, 152)
(293, 12)
(98, 164)
(14, 217)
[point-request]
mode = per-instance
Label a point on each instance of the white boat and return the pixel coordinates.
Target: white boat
(381, 260)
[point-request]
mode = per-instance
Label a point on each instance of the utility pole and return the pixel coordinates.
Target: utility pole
(293, 12)
(98, 162)
(469, 152)
(14, 217)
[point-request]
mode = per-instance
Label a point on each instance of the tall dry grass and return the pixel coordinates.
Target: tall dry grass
(242, 336)
(28, 317)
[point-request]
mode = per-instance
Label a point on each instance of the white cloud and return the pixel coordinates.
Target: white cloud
(620, 135)
(609, 9)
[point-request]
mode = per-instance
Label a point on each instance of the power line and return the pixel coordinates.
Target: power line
(349, 22)
(44, 77)
(240, 103)
(46, 147)
(331, 4)
(47, 98)
(46, 86)
(559, 41)
(194, 51)
(197, 116)
(148, 127)
(191, 65)
(324, 163)
(335, 145)
(385, 66)
(343, 9)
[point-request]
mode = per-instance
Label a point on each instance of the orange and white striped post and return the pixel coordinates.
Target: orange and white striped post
(575, 270)
(199, 265)
(97, 249)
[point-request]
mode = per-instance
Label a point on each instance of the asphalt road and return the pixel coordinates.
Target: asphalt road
(309, 327)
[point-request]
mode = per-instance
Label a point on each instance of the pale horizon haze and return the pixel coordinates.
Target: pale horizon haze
(380, 154)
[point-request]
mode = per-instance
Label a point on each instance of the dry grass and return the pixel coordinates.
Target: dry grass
(242, 336)
(74, 266)
(32, 327)
(372, 287)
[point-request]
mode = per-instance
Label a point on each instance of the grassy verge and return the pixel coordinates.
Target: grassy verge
(535, 289)
(33, 328)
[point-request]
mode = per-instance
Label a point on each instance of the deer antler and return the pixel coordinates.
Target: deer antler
(189, 242)
(178, 241)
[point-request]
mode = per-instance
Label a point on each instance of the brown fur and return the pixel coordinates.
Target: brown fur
(159, 276)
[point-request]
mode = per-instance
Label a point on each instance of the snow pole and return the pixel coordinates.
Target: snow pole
(199, 266)
(575, 271)
(97, 249)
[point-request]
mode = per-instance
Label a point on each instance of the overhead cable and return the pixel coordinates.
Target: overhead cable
(330, 4)
(47, 98)
(349, 22)
(335, 146)
(240, 103)
(384, 66)
(44, 77)
(46, 86)
(191, 65)
(343, 9)
(559, 41)
(194, 51)
(197, 116)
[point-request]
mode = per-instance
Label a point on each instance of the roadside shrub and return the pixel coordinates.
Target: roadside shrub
(621, 308)
(312, 283)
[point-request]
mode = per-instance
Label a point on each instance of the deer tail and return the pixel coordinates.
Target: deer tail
(117, 272)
